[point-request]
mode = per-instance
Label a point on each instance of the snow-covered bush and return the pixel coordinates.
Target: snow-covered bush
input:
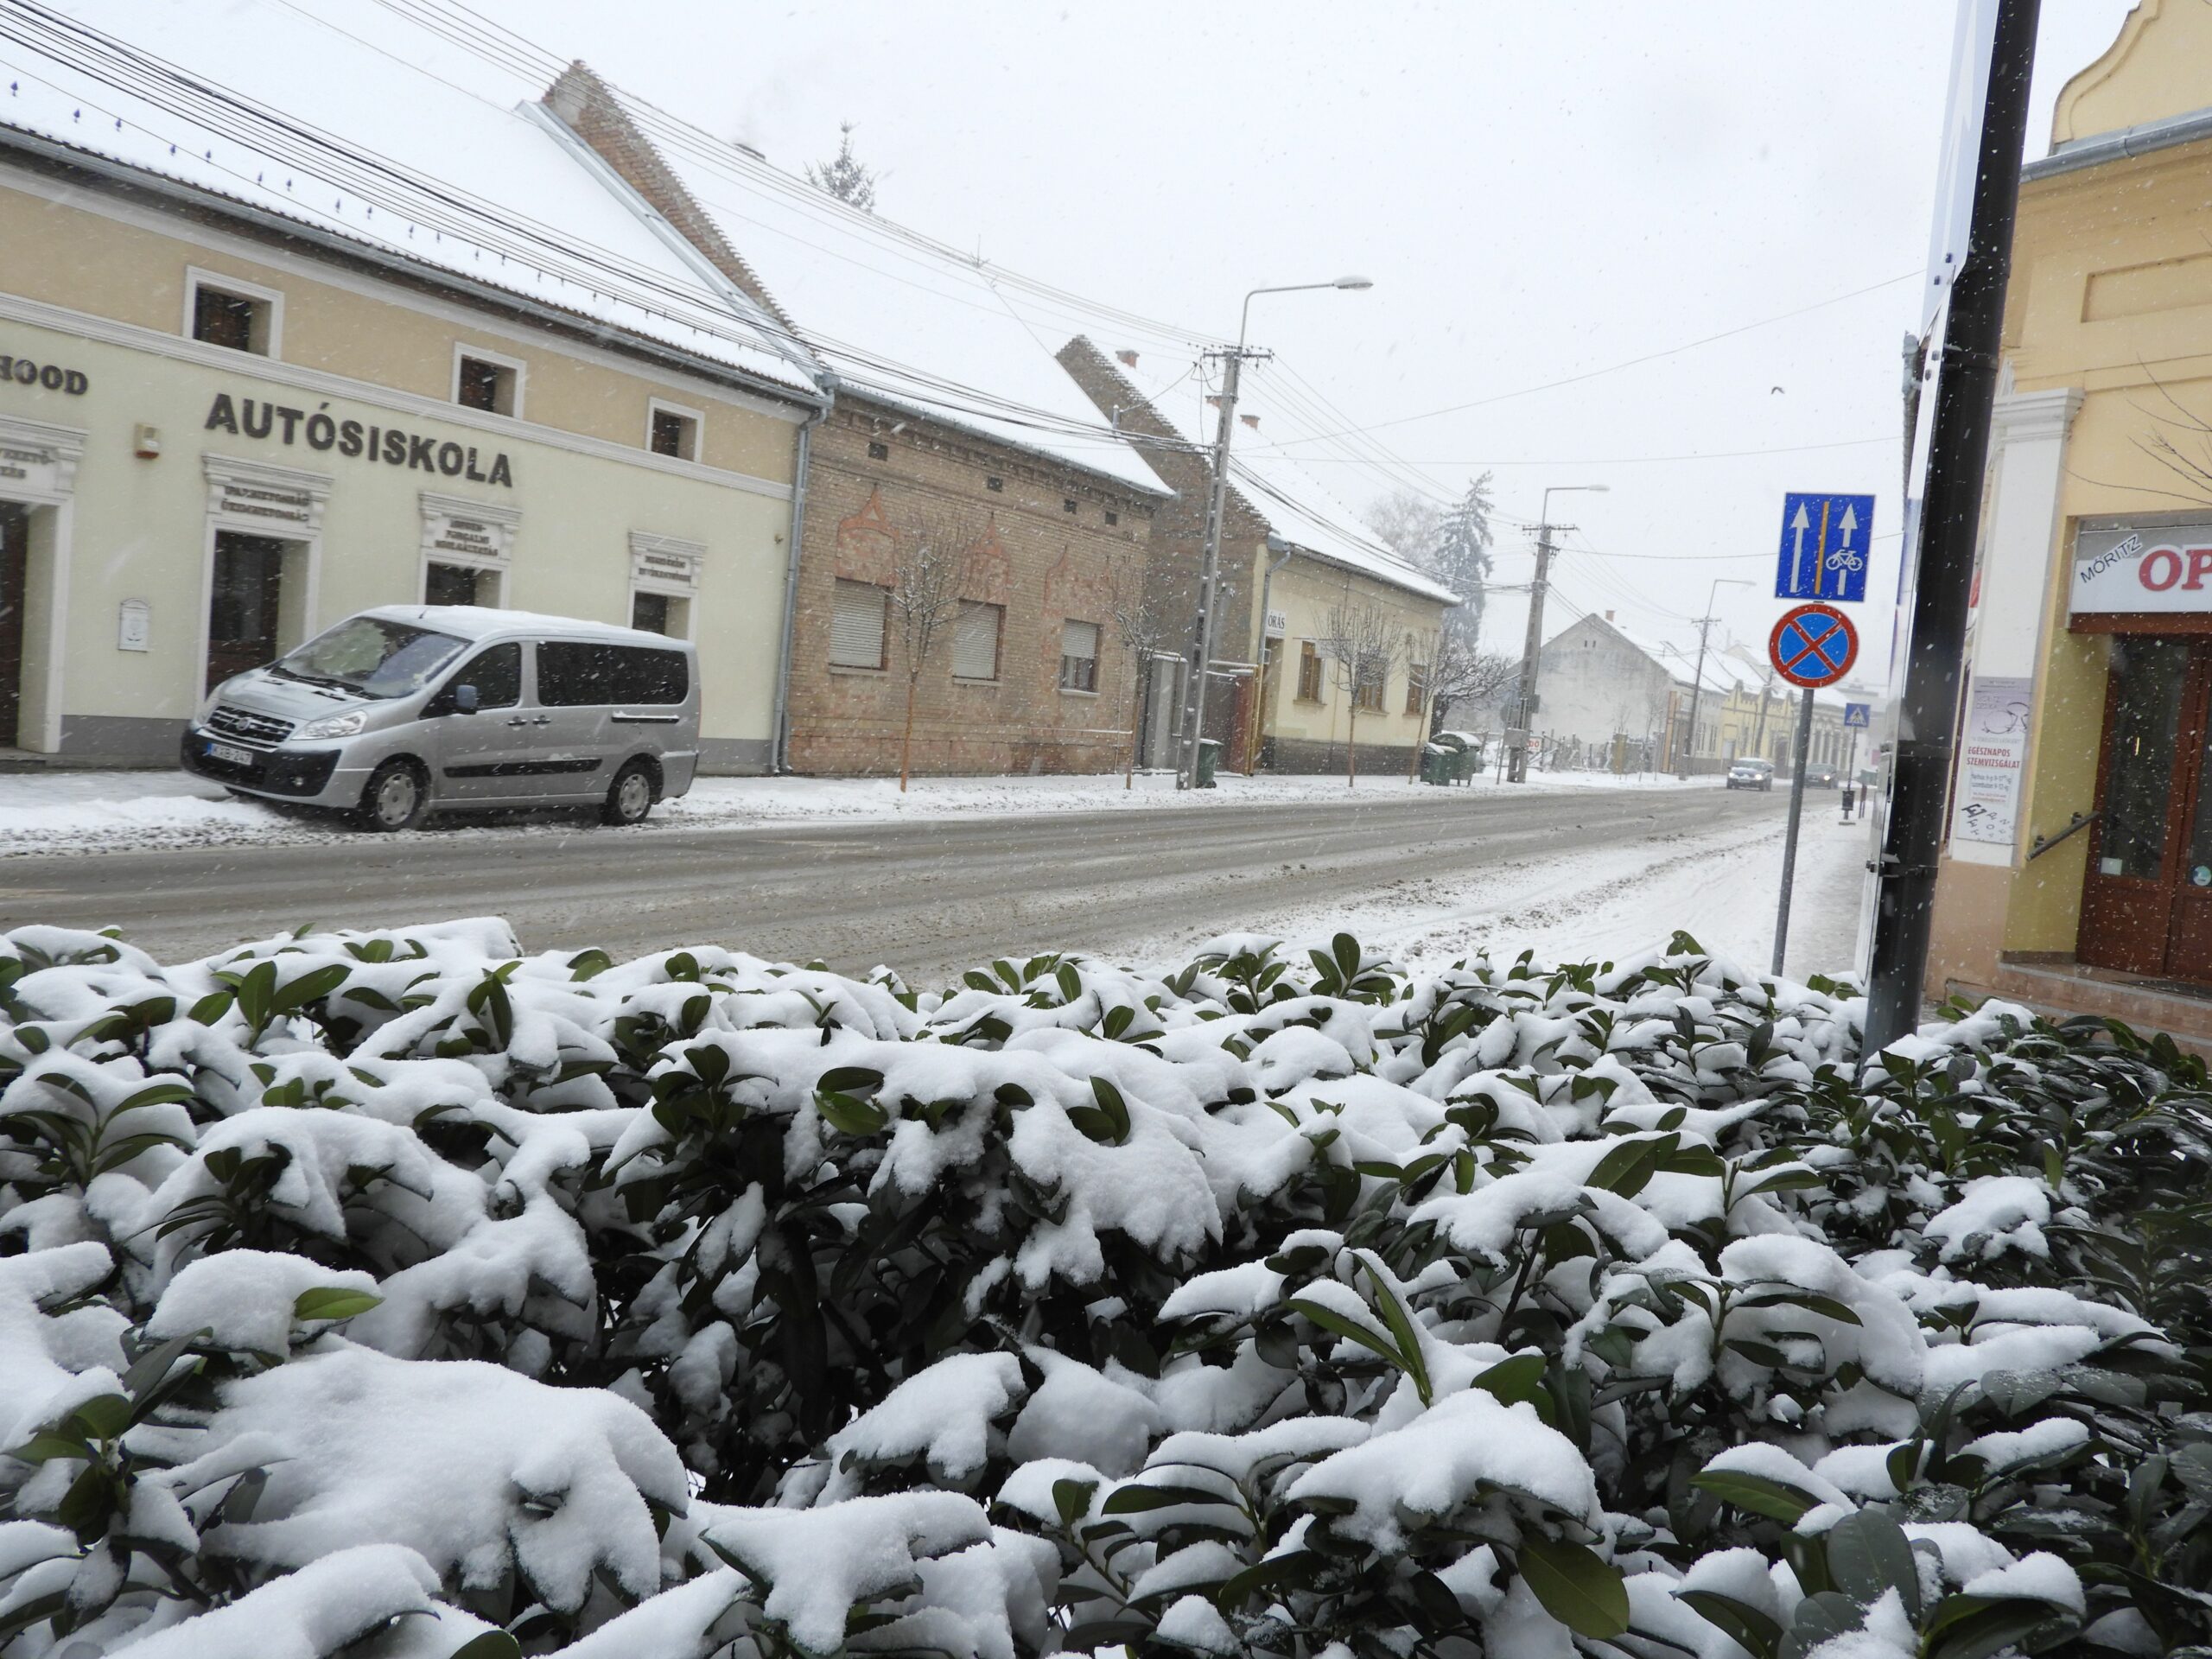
(394, 1294)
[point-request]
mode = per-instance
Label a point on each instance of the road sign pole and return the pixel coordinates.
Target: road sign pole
(1803, 752)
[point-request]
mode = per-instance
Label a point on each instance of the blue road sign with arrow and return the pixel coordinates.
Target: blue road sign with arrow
(1824, 541)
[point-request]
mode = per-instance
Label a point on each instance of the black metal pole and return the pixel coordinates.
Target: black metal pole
(1966, 387)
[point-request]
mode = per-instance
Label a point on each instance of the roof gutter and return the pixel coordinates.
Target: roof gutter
(2143, 140)
(573, 324)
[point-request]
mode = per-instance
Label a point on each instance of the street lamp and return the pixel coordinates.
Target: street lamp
(1533, 643)
(1697, 680)
(1194, 699)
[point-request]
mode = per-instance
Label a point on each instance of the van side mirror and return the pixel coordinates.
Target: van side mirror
(464, 699)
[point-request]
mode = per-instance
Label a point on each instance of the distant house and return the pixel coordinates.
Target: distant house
(1610, 696)
(951, 422)
(1281, 697)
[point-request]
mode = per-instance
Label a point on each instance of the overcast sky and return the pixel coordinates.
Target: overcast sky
(1537, 191)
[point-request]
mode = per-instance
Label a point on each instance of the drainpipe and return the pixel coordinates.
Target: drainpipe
(1282, 549)
(780, 761)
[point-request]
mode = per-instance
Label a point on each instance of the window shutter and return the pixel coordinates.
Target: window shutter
(1079, 656)
(975, 642)
(857, 625)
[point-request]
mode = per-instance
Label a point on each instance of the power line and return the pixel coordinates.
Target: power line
(1629, 363)
(1637, 460)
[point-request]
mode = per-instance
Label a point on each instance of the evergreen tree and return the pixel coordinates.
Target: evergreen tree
(845, 176)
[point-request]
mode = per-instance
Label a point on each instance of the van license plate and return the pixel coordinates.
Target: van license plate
(231, 753)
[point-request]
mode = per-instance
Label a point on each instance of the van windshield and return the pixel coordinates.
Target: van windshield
(372, 656)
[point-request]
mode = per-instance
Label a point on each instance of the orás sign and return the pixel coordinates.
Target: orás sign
(2165, 570)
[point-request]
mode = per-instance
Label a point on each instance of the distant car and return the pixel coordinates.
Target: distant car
(1821, 777)
(1751, 774)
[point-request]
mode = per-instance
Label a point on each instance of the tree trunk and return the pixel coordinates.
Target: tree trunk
(906, 739)
(1351, 745)
(1136, 727)
(1421, 731)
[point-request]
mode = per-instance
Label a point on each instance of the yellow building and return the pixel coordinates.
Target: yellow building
(1349, 645)
(252, 384)
(2078, 872)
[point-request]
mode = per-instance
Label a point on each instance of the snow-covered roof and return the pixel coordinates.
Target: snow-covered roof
(895, 315)
(1295, 504)
(398, 144)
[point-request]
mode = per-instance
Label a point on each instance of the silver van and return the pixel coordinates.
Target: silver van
(409, 710)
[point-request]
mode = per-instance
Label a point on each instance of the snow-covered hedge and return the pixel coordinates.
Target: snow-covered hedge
(392, 1293)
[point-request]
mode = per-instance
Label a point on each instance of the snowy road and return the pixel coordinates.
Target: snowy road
(1428, 869)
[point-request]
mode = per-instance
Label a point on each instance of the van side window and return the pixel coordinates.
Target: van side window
(497, 675)
(571, 674)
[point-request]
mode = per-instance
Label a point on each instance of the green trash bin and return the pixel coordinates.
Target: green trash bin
(1435, 764)
(1208, 757)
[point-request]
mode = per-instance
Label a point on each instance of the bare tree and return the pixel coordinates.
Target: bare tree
(1464, 672)
(1362, 641)
(1143, 633)
(1407, 522)
(924, 597)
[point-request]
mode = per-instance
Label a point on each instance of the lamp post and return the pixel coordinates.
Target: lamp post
(1697, 680)
(1533, 643)
(1194, 697)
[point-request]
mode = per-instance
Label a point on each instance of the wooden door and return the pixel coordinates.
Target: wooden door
(15, 557)
(243, 605)
(2133, 911)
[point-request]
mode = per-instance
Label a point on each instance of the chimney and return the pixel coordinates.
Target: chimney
(1129, 359)
(1212, 401)
(1609, 616)
(1252, 420)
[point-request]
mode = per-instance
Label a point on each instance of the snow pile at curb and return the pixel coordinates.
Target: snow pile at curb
(394, 1289)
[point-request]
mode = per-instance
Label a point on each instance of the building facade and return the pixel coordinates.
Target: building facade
(2078, 872)
(1049, 525)
(1286, 693)
(1610, 698)
(227, 423)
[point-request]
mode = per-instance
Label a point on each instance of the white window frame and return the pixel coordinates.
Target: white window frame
(697, 416)
(195, 279)
(515, 365)
(1098, 651)
(644, 581)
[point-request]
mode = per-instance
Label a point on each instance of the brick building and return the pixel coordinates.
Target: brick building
(1279, 698)
(951, 426)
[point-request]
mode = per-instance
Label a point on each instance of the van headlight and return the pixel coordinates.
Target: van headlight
(334, 725)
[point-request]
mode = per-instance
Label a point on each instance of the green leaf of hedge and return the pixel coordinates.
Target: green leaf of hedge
(1756, 1494)
(1578, 1588)
(332, 1302)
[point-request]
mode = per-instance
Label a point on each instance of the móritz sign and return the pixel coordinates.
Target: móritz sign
(2164, 569)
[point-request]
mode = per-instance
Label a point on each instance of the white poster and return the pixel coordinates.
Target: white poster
(1987, 801)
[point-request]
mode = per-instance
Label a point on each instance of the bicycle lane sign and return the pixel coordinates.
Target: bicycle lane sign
(1813, 645)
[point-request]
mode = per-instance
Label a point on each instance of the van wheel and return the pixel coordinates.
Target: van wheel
(631, 796)
(396, 797)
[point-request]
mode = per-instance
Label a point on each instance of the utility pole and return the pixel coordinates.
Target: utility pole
(1532, 645)
(1966, 389)
(1194, 697)
(1697, 690)
(1201, 660)
(1697, 681)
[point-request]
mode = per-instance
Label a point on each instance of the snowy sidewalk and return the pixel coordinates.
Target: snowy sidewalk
(1720, 886)
(115, 812)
